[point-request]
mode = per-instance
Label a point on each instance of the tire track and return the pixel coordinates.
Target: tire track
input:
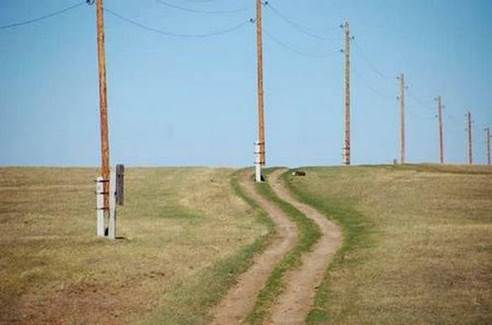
(297, 299)
(241, 299)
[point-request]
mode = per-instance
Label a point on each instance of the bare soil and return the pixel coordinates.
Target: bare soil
(241, 299)
(297, 299)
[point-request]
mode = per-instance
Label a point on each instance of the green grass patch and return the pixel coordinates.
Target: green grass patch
(309, 234)
(356, 231)
(211, 285)
(416, 243)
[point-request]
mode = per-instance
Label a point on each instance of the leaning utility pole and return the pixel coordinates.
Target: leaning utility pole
(260, 146)
(487, 134)
(470, 140)
(402, 118)
(103, 101)
(441, 131)
(346, 147)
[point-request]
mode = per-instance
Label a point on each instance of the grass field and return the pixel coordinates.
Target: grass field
(417, 244)
(186, 237)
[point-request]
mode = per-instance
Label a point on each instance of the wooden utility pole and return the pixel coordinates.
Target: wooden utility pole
(441, 130)
(487, 141)
(103, 101)
(346, 147)
(470, 139)
(402, 118)
(261, 101)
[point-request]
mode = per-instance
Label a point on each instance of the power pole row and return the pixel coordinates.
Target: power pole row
(441, 129)
(260, 145)
(347, 142)
(470, 139)
(487, 141)
(103, 102)
(402, 118)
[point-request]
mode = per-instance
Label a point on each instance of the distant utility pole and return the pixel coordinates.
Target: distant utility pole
(402, 118)
(261, 160)
(441, 129)
(347, 142)
(103, 101)
(470, 139)
(487, 134)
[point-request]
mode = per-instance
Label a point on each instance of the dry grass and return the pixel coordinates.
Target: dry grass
(178, 224)
(419, 248)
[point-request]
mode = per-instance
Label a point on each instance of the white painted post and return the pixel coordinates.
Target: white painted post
(258, 162)
(112, 205)
(100, 206)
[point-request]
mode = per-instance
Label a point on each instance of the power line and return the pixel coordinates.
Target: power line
(419, 101)
(170, 5)
(370, 87)
(170, 34)
(293, 49)
(369, 62)
(305, 30)
(55, 13)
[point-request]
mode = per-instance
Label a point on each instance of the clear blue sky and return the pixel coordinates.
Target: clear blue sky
(180, 101)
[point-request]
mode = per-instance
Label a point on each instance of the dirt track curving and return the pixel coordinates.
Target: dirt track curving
(297, 299)
(295, 302)
(241, 299)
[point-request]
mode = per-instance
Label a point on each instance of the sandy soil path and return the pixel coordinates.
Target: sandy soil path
(241, 299)
(297, 299)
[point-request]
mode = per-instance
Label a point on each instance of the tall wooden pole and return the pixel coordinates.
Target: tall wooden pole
(487, 141)
(470, 139)
(261, 101)
(347, 142)
(441, 130)
(402, 118)
(103, 101)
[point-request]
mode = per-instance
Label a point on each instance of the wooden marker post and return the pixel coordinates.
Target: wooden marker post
(112, 206)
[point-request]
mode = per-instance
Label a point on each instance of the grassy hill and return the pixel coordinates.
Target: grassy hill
(418, 243)
(186, 237)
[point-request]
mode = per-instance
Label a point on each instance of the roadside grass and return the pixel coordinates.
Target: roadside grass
(186, 235)
(208, 288)
(356, 229)
(308, 233)
(417, 243)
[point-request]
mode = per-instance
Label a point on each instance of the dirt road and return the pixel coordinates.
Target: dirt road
(297, 299)
(242, 297)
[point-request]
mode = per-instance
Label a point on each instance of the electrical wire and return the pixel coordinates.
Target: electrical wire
(55, 13)
(170, 5)
(298, 52)
(419, 101)
(371, 88)
(305, 30)
(170, 34)
(369, 62)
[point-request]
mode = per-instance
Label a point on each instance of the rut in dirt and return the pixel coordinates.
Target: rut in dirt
(241, 299)
(297, 299)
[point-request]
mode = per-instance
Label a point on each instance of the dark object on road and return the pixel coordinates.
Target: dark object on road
(298, 173)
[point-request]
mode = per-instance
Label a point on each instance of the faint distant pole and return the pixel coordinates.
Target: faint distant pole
(402, 118)
(470, 139)
(347, 142)
(487, 141)
(260, 145)
(103, 101)
(441, 129)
